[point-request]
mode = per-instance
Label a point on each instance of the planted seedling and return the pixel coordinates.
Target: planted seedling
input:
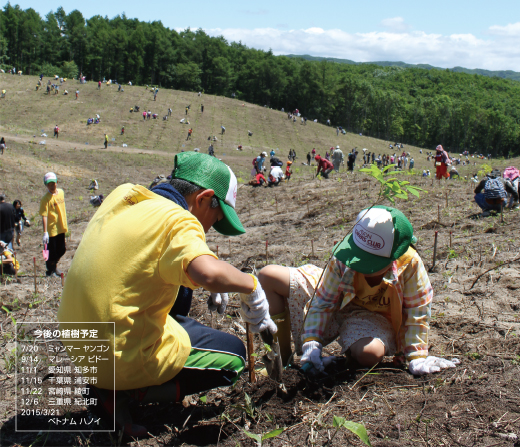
(261, 438)
(358, 429)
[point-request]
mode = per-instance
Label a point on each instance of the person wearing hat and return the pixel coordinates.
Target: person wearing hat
(260, 160)
(324, 166)
(54, 219)
(141, 256)
(441, 162)
(375, 298)
(337, 158)
(454, 173)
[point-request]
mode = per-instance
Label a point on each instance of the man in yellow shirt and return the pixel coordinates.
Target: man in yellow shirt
(54, 218)
(140, 257)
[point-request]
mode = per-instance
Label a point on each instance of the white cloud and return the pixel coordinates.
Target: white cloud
(498, 51)
(395, 24)
(511, 30)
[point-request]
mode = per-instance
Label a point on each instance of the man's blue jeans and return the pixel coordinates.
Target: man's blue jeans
(481, 202)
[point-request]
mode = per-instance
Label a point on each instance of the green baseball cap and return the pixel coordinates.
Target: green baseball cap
(380, 236)
(210, 173)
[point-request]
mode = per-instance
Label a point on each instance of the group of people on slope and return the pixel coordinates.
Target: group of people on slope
(275, 176)
(325, 165)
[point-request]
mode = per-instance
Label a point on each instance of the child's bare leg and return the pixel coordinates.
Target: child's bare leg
(275, 281)
(368, 351)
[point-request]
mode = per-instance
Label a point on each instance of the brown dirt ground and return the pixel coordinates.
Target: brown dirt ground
(476, 404)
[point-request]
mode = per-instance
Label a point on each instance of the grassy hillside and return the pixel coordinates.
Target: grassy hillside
(26, 112)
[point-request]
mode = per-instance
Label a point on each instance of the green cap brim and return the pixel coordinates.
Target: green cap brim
(230, 225)
(52, 180)
(359, 260)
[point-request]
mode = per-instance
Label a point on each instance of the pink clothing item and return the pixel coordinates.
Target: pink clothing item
(511, 173)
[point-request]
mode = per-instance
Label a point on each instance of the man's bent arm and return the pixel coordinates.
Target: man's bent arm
(219, 276)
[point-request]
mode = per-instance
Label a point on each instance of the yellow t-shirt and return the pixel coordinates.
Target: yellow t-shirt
(376, 299)
(53, 207)
(128, 269)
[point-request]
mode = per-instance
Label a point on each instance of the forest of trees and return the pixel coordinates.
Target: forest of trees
(412, 105)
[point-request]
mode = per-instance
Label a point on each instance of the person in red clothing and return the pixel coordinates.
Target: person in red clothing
(442, 160)
(324, 166)
(259, 180)
(288, 171)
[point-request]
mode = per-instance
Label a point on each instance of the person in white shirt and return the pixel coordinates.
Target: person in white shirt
(275, 176)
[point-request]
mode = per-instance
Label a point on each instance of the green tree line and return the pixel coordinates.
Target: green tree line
(410, 105)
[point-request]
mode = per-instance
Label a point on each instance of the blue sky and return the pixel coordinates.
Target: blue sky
(473, 34)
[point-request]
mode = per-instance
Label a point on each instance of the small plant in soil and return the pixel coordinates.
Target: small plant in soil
(10, 359)
(358, 429)
(452, 254)
(248, 407)
(261, 438)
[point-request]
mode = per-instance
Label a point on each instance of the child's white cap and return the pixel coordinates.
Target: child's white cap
(50, 177)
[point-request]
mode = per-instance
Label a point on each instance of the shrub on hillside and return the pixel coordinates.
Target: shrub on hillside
(69, 70)
(48, 70)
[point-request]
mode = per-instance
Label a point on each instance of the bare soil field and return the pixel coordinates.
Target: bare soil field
(475, 314)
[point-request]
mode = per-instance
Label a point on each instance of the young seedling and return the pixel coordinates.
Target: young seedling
(358, 429)
(261, 438)
(248, 407)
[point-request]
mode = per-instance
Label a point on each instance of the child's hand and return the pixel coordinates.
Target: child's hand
(430, 364)
(312, 355)
(218, 302)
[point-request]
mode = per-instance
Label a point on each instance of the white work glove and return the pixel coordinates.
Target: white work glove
(255, 310)
(45, 238)
(430, 364)
(312, 354)
(218, 302)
